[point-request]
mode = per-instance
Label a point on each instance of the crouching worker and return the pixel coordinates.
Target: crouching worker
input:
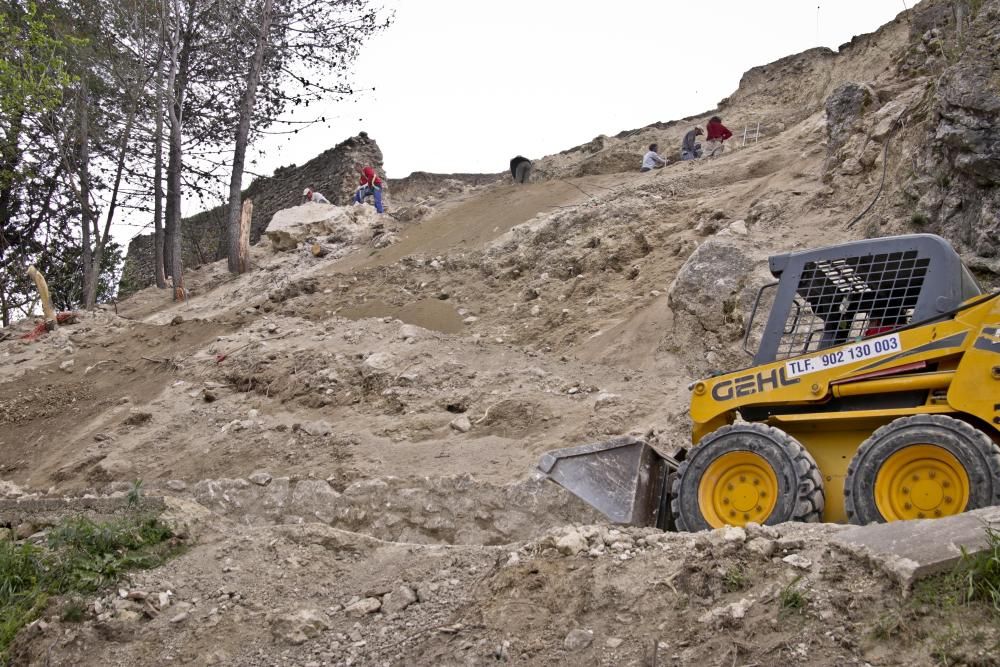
(717, 135)
(652, 160)
(520, 169)
(690, 148)
(313, 196)
(371, 186)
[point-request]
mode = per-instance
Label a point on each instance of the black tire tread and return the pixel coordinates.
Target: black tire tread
(990, 451)
(811, 499)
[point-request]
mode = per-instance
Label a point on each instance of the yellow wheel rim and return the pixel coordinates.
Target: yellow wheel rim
(737, 488)
(921, 482)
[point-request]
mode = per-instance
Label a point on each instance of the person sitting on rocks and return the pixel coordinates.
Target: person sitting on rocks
(652, 160)
(313, 196)
(520, 169)
(717, 135)
(371, 186)
(690, 148)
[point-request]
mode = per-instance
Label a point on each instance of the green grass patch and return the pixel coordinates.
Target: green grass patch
(791, 598)
(736, 579)
(979, 574)
(79, 557)
(976, 579)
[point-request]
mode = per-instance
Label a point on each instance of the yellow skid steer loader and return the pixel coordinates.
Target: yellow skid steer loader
(874, 395)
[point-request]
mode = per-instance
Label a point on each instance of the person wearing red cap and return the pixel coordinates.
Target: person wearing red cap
(716, 135)
(371, 186)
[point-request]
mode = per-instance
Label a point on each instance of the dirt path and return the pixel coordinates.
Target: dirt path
(482, 218)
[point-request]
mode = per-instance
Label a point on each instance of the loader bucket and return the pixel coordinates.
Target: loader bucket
(624, 478)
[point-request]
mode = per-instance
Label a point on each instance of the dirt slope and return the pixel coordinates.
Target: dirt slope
(333, 430)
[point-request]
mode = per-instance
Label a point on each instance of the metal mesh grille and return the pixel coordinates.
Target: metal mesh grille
(846, 299)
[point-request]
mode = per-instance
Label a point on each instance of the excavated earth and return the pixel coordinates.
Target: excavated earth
(347, 441)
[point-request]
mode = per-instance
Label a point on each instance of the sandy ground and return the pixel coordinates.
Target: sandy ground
(336, 429)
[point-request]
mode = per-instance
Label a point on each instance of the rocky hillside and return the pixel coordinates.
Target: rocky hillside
(331, 172)
(345, 437)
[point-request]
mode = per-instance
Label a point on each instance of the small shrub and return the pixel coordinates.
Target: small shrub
(979, 574)
(736, 579)
(134, 496)
(791, 598)
(919, 219)
(74, 610)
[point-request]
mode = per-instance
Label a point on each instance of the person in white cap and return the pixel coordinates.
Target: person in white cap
(314, 196)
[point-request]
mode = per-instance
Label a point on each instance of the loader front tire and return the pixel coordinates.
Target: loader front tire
(922, 467)
(746, 472)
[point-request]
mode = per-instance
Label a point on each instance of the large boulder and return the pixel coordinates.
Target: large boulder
(337, 226)
(711, 297)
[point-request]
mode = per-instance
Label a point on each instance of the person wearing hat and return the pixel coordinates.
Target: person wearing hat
(690, 148)
(314, 196)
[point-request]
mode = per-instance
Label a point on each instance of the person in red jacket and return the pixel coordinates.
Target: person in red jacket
(371, 186)
(716, 135)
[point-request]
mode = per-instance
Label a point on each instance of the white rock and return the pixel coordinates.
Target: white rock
(578, 639)
(734, 534)
(363, 607)
(795, 560)
(300, 626)
(571, 543)
(260, 478)
(176, 485)
(408, 331)
(67, 366)
(762, 546)
(398, 600)
(461, 424)
(317, 428)
(377, 362)
(614, 642)
(739, 227)
(471, 319)
(735, 610)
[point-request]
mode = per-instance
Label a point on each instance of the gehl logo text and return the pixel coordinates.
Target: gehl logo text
(747, 385)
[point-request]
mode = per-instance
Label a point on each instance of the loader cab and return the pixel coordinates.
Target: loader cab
(828, 297)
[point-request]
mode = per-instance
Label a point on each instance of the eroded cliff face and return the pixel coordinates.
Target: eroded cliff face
(954, 189)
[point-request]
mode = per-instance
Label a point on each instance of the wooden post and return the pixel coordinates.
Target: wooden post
(244, 249)
(43, 293)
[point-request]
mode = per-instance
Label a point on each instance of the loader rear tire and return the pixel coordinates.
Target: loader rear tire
(923, 466)
(771, 459)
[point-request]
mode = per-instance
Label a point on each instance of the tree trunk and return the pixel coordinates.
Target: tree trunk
(246, 215)
(173, 226)
(158, 241)
(89, 277)
(179, 64)
(101, 239)
(242, 138)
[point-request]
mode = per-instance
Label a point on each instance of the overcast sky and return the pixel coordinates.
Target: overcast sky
(464, 85)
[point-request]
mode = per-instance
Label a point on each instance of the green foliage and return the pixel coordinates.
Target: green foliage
(736, 579)
(80, 557)
(33, 63)
(135, 494)
(66, 270)
(791, 598)
(979, 574)
(919, 219)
